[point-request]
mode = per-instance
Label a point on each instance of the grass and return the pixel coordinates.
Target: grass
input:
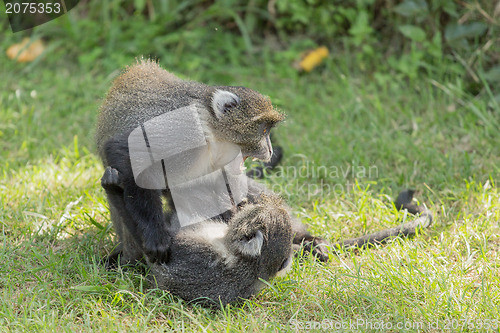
(352, 141)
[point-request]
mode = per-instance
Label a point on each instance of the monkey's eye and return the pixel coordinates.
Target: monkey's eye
(247, 238)
(228, 106)
(284, 264)
(264, 128)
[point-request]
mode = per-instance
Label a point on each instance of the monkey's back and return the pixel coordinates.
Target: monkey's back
(142, 92)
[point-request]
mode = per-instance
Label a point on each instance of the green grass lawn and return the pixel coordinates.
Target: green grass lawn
(352, 142)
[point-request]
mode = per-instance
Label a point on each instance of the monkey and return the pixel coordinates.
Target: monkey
(217, 263)
(222, 261)
(232, 120)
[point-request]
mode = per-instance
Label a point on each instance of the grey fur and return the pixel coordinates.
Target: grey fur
(241, 121)
(146, 91)
(217, 263)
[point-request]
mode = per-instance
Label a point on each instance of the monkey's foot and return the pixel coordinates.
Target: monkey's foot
(157, 248)
(111, 179)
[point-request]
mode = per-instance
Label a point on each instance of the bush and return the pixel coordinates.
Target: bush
(392, 40)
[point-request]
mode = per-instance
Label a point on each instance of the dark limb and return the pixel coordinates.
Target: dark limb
(137, 213)
(303, 241)
(127, 251)
(259, 171)
(404, 201)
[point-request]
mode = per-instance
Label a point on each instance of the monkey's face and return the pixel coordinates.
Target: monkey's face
(276, 255)
(244, 117)
(262, 234)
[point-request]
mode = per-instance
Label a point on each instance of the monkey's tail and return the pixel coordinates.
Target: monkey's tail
(404, 201)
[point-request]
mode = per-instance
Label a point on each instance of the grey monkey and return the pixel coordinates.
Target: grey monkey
(214, 262)
(232, 119)
(221, 261)
(217, 262)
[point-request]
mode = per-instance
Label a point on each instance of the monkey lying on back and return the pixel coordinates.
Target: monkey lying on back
(232, 119)
(225, 262)
(219, 262)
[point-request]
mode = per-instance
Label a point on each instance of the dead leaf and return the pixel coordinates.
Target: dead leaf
(313, 58)
(26, 51)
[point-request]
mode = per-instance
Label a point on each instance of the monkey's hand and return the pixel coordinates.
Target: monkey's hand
(317, 247)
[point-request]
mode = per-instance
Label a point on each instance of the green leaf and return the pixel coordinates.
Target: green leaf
(449, 7)
(435, 48)
(90, 288)
(413, 32)
(361, 28)
(454, 32)
(412, 8)
(140, 5)
(493, 74)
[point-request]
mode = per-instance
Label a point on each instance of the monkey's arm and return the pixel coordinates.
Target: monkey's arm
(404, 201)
(126, 211)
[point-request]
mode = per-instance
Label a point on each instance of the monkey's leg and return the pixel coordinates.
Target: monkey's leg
(147, 221)
(143, 208)
(127, 251)
(303, 240)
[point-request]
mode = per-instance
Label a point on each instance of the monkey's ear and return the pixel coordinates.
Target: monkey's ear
(252, 245)
(223, 101)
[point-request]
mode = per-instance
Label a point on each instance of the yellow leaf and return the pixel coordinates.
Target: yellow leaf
(313, 58)
(26, 51)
